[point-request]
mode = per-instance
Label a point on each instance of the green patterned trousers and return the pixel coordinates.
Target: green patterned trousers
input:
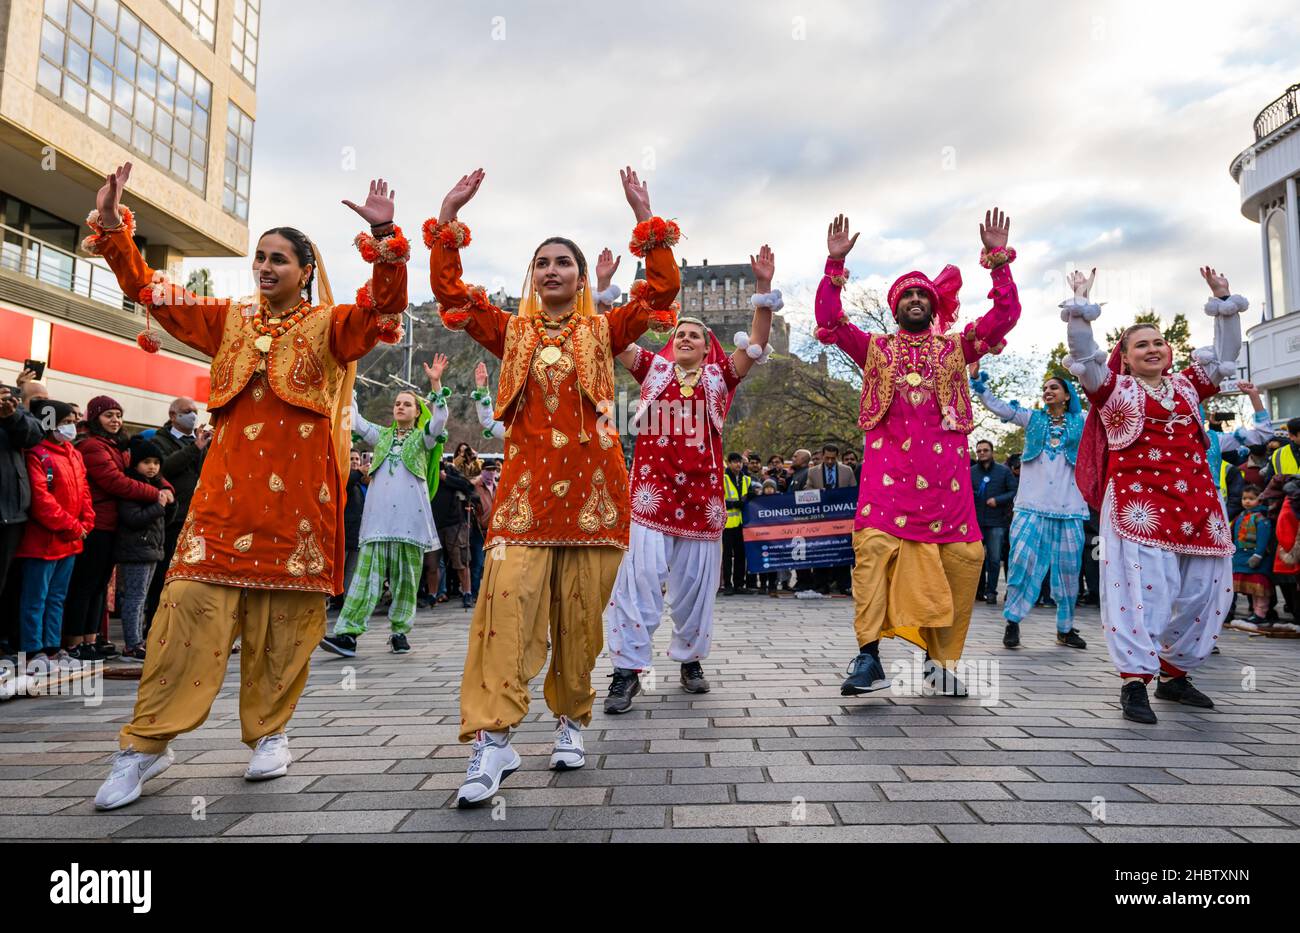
(398, 562)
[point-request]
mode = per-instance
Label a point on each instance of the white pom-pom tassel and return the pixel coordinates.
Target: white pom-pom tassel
(771, 300)
(1226, 307)
(1080, 308)
(741, 340)
(608, 296)
(753, 351)
(767, 354)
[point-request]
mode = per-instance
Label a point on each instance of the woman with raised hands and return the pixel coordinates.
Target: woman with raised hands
(263, 543)
(1166, 545)
(559, 524)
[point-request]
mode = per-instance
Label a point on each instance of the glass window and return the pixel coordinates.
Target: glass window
(1277, 278)
(238, 162)
(200, 17)
(121, 78)
(243, 49)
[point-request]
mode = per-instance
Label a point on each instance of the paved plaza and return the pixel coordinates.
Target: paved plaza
(773, 754)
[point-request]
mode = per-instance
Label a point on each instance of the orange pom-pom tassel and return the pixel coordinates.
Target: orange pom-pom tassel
(149, 341)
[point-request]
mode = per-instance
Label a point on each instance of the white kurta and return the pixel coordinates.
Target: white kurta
(397, 501)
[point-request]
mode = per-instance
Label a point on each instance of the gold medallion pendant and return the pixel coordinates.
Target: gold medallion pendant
(913, 379)
(550, 355)
(263, 343)
(687, 391)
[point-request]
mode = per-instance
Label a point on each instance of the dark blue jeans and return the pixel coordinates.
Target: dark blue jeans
(994, 538)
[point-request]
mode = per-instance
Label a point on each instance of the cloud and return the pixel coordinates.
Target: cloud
(1105, 131)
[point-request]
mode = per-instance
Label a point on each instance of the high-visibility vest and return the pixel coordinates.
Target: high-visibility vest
(733, 514)
(1284, 462)
(1224, 467)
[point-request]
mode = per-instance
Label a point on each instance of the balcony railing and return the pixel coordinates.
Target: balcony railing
(28, 256)
(1278, 114)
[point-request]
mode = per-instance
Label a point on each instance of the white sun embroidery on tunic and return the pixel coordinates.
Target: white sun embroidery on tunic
(1154, 454)
(680, 478)
(1139, 517)
(645, 499)
(1196, 458)
(645, 470)
(663, 440)
(716, 513)
(1135, 487)
(1219, 529)
(679, 514)
(1120, 417)
(1181, 485)
(1187, 528)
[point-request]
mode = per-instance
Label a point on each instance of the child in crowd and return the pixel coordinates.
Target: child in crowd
(140, 543)
(1252, 563)
(61, 516)
(769, 583)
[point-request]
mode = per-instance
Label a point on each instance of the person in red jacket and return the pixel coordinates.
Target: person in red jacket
(1286, 562)
(61, 517)
(104, 450)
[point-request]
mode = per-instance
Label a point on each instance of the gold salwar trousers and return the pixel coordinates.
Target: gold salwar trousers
(189, 645)
(530, 595)
(916, 590)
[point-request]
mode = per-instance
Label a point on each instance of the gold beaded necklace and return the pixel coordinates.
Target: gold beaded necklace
(268, 328)
(551, 344)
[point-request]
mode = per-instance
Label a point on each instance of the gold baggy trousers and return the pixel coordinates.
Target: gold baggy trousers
(189, 645)
(916, 590)
(529, 594)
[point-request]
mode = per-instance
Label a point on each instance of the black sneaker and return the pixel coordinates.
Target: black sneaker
(991, 599)
(623, 686)
(1070, 639)
(398, 642)
(1133, 701)
(104, 650)
(343, 645)
(1180, 690)
(728, 591)
(85, 652)
(865, 675)
(693, 678)
(937, 680)
(1011, 637)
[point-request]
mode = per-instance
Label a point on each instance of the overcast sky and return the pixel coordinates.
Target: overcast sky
(1104, 129)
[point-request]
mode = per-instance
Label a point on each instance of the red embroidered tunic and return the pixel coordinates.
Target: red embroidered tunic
(677, 464)
(1159, 489)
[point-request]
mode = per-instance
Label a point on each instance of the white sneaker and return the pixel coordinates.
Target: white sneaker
(569, 753)
(492, 761)
(130, 770)
(39, 665)
(65, 662)
(271, 758)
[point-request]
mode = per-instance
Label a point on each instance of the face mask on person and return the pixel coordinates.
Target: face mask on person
(187, 421)
(69, 431)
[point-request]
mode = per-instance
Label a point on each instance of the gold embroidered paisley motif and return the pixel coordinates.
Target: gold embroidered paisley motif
(307, 558)
(230, 482)
(936, 527)
(276, 484)
(560, 488)
(259, 390)
(866, 509)
(907, 444)
(305, 429)
(306, 372)
(324, 494)
(922, 483)
(253, 430)
(962, 528)
(515, 514)
(514, 452)
(558, 438)
(190, 548)
(877, 443)
(599, 508)
(955, 486)
(887, 480)
(244, 543)
(606, 442)
(900, 521)
(224, 371)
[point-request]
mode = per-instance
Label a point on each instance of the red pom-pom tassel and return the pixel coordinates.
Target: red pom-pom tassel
(149, 341)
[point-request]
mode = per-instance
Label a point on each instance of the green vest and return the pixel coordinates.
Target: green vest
(734, 516)
(420, 460)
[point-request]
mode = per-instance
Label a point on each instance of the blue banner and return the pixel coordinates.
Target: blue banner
(799, 530)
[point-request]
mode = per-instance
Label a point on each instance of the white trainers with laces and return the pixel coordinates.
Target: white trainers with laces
(491, 761)
(569, 753)
(126, 778)
(271, 758)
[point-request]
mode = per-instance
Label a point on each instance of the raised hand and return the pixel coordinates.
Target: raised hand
(974, 369)
(1081, 284)
(378, 209)
(460, 194)
(1218, 283)
(435, 369)
(480, 375)
(637, 193)
(995, 229)
(764, 266)
(838, 240)
(8, 404)
(606, 266)
(109, 198)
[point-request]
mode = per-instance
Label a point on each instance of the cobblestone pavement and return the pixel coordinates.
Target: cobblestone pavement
(773, 753)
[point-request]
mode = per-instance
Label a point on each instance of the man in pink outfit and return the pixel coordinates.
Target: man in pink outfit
(916, 520)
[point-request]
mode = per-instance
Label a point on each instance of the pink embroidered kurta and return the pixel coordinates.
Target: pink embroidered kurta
(677, 464)
(1159, 490)
(916, 411)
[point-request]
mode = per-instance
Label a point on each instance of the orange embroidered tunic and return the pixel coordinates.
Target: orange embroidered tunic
(268, 509)
(564, 481)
